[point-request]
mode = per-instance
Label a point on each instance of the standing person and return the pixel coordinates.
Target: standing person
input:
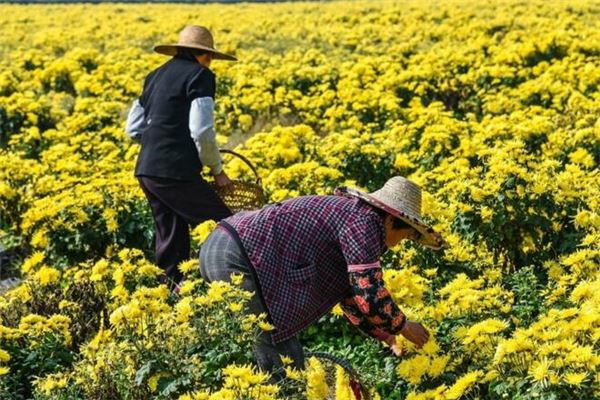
(303, 256)
(173, 119)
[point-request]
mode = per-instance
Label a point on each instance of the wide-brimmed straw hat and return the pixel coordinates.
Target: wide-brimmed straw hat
(401, 198)
(194, 37)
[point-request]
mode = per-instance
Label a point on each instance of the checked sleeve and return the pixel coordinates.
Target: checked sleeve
(362, 242)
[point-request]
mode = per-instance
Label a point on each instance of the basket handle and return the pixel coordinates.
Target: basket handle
(244, 159)
(360, 390)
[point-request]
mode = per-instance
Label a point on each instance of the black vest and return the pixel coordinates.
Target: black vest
(168, 150)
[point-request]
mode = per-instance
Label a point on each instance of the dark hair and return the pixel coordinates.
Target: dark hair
(188, 53)
(397, 222)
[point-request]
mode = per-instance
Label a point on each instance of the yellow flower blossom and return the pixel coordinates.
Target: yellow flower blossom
(575, 379)
(463, 385)
(47, 275)
(4, 356)
(315, 379)
(187, 266)
(201, 232)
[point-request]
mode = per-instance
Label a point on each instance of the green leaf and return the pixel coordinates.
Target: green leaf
(143, 372)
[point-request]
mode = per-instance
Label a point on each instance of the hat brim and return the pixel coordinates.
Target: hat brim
(429, 237)
(171, 50)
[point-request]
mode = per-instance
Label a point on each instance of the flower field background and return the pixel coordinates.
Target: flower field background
(493, 107)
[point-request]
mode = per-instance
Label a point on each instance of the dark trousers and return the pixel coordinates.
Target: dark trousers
(176, 206)
(220, 256)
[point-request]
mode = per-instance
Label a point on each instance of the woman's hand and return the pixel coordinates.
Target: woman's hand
(396, 348)
(415, 333)
(438, 237)
(223, 181)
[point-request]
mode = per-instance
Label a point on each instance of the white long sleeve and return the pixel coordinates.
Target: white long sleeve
(202, 130)
(135, 121)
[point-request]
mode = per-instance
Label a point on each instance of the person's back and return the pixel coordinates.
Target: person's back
(301, 249)
(318, 220)
(303, 256)
(168, 150)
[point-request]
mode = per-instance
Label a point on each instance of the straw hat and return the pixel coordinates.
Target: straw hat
(194, 37)
(402, 199)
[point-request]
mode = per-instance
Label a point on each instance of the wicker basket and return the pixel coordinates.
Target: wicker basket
(242, 196)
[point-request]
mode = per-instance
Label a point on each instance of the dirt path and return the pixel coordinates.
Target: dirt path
(7, 284)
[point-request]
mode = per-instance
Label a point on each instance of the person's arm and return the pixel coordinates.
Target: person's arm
(373, 311)
(356, 318)
(374, 301)
(203, 133)
(362, 241)
(135, 121)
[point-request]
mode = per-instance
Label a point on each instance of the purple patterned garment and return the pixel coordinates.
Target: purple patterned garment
(302, 250)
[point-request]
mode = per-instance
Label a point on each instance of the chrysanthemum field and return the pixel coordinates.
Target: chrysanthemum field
(492, 107)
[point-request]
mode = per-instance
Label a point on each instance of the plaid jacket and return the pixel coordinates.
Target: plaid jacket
(302, 251)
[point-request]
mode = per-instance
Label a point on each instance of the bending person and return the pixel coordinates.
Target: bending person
(303, 256)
